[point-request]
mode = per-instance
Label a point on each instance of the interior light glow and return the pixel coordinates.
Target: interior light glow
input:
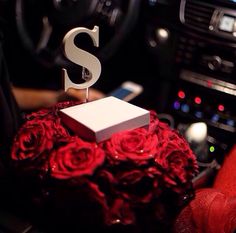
(162, 33)
(221, 107)
(198, 114)
(181, 94)
(176, 105)
(198, 100)
(230, 122)
(212, 149)
(209, 83)
(215, 118)
(185, 108)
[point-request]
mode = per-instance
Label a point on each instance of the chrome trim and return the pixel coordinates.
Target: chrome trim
(181, 11)
(204, 80)
(213, 22)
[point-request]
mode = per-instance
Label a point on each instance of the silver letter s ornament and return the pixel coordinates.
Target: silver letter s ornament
(81, 57)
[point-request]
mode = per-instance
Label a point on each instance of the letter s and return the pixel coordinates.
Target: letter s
(81, 57)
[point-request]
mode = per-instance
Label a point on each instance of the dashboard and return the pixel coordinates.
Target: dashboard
(199, 38)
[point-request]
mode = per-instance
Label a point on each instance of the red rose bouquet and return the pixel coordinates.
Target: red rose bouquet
(118, 181)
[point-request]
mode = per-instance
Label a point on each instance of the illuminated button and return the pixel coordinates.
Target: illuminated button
(176, 105)
(185, 108)
(162, 34)
(198, 114)
(230, 122)
(221, 107)
(209, 83)
(181, 94)
(198, 100)
(212, 149)
(215, 118)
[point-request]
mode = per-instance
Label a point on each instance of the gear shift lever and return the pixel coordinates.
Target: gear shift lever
(196, 135)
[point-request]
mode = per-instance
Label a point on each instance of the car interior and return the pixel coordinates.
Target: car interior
(181, 52)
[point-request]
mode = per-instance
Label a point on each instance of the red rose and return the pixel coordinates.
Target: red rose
(176, 159)
(65, 104)
(136, 145)
(163, 132)
(137, 185)
(77, 158)
(59, 132)
(34, 138)
(50, 113)
(42, 114)
(154, 121)
(119, 176)
(119, 213)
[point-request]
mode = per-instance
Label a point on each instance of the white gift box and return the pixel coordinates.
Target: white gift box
(99, 119)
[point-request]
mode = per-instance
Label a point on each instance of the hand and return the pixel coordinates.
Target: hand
(30, 99)
(81, 94)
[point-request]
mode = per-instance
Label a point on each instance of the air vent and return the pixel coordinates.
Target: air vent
(197, 14)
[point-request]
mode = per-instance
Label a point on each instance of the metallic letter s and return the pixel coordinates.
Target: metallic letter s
(81, 57)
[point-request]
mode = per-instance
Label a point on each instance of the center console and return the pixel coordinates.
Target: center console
(201, 41)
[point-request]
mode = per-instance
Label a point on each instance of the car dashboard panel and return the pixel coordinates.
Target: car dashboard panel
(201, 43)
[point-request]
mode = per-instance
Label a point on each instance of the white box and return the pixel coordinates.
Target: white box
(99, 119)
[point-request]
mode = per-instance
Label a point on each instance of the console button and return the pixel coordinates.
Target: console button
(214, 63)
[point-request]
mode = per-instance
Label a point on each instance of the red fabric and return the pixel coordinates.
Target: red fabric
(225, 180)
(213, 210)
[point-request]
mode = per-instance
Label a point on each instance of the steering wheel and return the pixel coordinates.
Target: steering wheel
(42, 24)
